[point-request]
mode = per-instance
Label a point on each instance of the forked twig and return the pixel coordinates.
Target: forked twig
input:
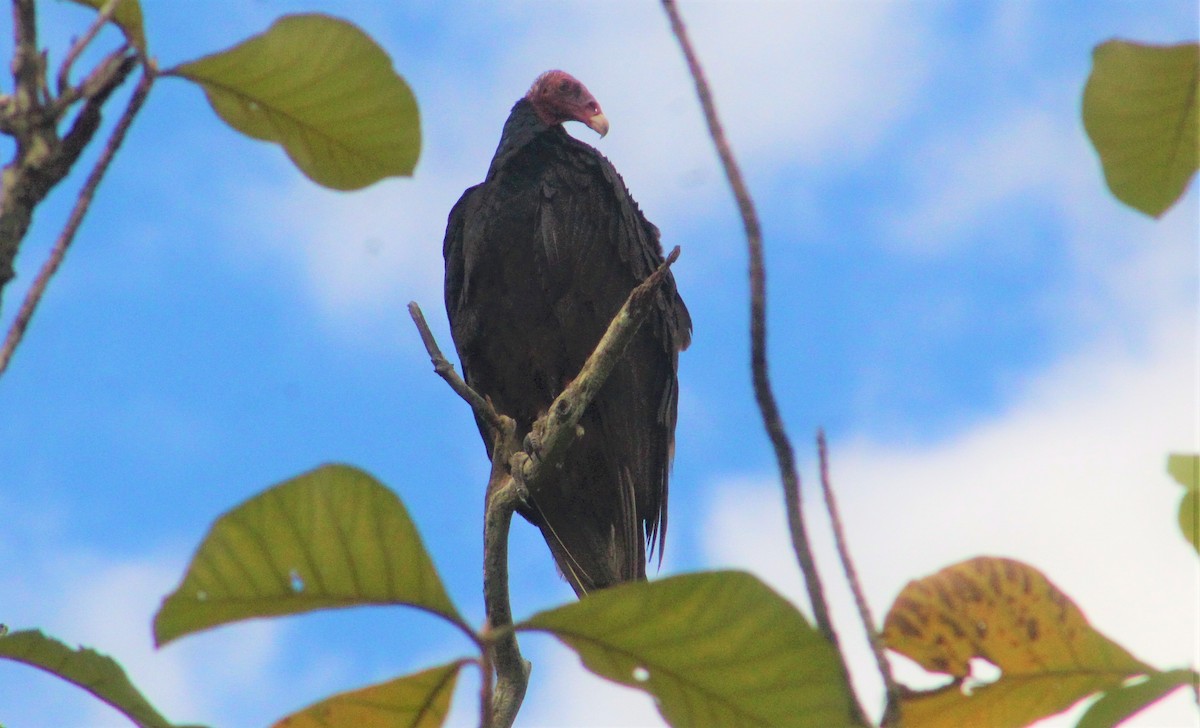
(34, 295)
(514, 471)
(107, 11)
(560, 419)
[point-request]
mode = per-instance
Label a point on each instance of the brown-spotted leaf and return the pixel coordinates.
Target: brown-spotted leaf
(1011, 615)
(420, 700)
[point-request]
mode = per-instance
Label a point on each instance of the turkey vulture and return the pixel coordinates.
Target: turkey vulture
(539, 258)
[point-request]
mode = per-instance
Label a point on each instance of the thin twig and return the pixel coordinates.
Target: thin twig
(860, 599)
(483, 408)
(34, 295)
(758, 334)
(64, 71)
(94, 83)
(758, 350)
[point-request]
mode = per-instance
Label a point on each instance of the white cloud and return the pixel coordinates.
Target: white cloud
(965, 174)
(983, 176)
(364, 253)
(1069, 479)
(811, 83)
(814, 83)
(107, 603)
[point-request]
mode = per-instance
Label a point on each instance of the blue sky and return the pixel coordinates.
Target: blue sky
(1001, 353)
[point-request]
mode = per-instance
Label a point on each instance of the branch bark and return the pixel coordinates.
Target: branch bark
(763, 392)
(557, 428)
(504, 494)
(516, 473)
(29, 305)
(31, 116)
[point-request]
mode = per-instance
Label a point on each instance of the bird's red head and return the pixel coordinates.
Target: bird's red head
(557, 96)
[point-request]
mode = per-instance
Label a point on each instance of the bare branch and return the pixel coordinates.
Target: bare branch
(506, 672)
(504, 494)
(26, 59)
(860, 600)
(483, 408)
(758, 334)
(515, 473)
(96, 87)
(42, 160)
(82, 203)
(758, 348)
(557, 427)
(64, 71)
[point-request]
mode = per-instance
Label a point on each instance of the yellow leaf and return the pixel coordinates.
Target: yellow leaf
(1011, 615)
(421, 700)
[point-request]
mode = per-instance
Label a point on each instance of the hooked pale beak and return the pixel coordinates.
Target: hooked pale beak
(599, 124)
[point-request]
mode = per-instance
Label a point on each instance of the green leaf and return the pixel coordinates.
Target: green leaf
(98, 674)
(421, 700)
(128, 17)
(1140, 111)
(333, 537)
(1189, 518)
(1119, 704)
(1010, 614)
(718, 648)
(325, 91)
(1185, 469)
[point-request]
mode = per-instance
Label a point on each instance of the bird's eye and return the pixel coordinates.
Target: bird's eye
(564, 85)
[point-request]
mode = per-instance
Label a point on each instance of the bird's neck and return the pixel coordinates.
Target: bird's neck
(521, 128)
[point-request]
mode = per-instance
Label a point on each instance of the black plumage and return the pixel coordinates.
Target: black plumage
(539, 258)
